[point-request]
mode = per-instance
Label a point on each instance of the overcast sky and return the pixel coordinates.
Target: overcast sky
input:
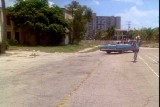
(140, 13)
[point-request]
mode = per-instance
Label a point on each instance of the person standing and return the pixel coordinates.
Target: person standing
(136, 46)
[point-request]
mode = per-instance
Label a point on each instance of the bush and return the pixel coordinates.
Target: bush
(6, 46)
(0, 46)
(12, 42)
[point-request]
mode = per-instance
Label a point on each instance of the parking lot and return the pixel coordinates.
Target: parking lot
(95, 79)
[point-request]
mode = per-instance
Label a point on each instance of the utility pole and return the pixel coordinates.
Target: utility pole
(129, 24)
(3, 31)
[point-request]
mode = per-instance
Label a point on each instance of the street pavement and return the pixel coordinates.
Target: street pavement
(95, 79)
(119, 82)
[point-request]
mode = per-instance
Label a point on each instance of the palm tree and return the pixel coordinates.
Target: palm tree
(3, 47)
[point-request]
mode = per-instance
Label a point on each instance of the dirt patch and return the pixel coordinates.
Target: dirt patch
(16, 61)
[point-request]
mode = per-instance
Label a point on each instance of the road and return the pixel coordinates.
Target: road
(92, 79)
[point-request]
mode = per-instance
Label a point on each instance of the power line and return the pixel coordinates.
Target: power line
(129, 24)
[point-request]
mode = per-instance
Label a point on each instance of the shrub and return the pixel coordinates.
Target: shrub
(6, 46)
(0, 46)
(12, 42)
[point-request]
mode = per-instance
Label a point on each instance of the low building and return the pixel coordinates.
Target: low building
(120, 34)
(12, 33)
(21, 34)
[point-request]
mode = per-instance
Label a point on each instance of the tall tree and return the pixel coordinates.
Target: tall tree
(81, 14)
(147, 33)
(130, 34)
(110, 32)
(100, 35)
(3, 47)
(156, 34)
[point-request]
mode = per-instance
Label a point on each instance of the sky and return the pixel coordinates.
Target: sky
(139, 13)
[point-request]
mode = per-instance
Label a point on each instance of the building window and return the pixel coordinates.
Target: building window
(8, 20)
(8, 35)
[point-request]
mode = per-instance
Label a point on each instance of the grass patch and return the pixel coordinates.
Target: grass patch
(49, 49)
(52, 49)
(64, 48)
(72, 48)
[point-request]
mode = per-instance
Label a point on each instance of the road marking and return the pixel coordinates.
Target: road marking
(154, 56)
(151, 59)
(149, 66)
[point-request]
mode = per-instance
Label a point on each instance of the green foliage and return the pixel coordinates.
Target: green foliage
(110, 32)
(38, 17)
(147, 34)
(6, 46)
(105, 34)
(12, 42)
(100, 35)
(130, 34)
(156, 34)
(81, 14)
(56, 28)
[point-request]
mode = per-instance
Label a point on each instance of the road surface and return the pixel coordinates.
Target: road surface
(94, 79)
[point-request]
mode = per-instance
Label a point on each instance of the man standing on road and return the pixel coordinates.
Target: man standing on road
(136, 45)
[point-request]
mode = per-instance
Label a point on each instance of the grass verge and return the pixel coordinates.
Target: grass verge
(73, 48)
(52, 49)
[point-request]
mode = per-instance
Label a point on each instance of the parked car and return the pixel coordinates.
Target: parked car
(117, 48)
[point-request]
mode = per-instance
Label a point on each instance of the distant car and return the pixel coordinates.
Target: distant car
(117, 48)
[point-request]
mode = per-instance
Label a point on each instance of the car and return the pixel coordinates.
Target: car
(117, 47)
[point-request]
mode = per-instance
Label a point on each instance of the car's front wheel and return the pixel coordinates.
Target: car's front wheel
(108, 52)
(121, 51)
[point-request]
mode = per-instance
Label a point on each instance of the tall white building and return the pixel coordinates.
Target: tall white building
(102, 23)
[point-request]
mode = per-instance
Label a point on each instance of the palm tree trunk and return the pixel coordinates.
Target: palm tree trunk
(4, 28)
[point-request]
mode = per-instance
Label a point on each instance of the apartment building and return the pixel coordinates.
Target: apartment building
(102, 23)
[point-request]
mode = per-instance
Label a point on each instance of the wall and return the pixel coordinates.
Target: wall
(0, 25)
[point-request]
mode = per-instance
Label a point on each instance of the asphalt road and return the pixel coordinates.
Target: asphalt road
(86, 80)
